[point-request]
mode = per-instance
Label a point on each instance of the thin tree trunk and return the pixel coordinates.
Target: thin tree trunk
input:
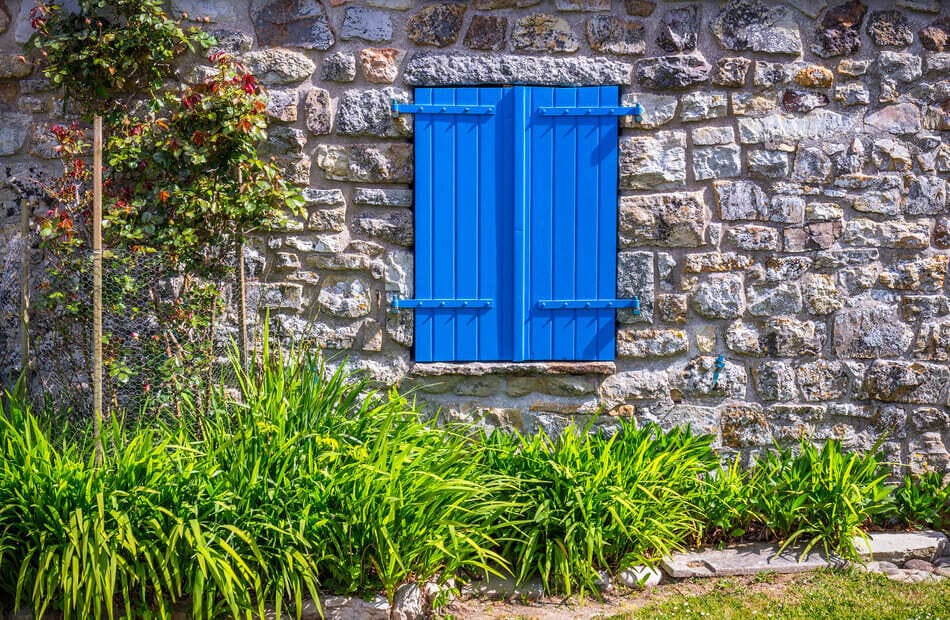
(97, 286)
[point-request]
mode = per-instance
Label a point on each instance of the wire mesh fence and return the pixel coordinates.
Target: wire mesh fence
(164, 334)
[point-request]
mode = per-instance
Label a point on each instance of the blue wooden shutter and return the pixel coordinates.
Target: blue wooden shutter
(565, 224)
(464, 214)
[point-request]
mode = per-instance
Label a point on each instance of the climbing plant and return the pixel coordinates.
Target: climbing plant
(183, 184)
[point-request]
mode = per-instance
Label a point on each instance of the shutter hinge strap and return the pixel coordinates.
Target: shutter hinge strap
(397, 108)
(636, 111)
(590, 304)
(399, 303)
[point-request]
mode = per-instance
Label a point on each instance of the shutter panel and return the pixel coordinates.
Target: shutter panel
(566, 224)
(464, 212)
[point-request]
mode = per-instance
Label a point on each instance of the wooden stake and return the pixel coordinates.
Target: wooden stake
(97, 285)
(25, 213)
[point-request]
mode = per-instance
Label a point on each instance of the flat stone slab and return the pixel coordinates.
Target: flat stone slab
(903, 546)
(744, 559)
(754, 558)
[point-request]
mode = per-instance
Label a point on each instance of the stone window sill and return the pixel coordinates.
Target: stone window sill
(478, 369)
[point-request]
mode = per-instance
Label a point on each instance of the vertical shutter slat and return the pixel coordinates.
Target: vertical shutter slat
(458, 227)
(570, 209)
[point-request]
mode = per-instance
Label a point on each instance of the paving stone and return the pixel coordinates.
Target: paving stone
(903, 546)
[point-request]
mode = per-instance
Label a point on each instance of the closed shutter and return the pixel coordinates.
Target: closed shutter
(464, 213)
(566, 225)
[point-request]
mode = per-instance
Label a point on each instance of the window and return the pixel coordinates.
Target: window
(516, 223)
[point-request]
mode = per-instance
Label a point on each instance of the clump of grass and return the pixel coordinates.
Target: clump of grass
(592, 502)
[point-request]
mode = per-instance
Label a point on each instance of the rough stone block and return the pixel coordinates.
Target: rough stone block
(655, 161)
(665, 220)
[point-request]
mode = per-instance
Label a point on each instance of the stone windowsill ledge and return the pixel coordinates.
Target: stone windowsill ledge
(478, 369)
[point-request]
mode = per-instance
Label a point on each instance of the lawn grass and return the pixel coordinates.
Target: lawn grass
(823, 594)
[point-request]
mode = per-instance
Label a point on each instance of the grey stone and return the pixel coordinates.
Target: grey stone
(816, 125)
(664, 220)
(802, 101)
(740, 200)
(712, 262)
(541, 32)
(679, 30)
(394, 226)
(717, 162)
(742, 559)
(721, 296)
(658, 110)
(752, 104)
(370, 25)
(635, 278)
(655, 161)
(752, 238)
(382, 197)
(785, 268)
(744, 425)
(903, 546)
(409, 603)
(839, 32)
(14, 66)
(912, 234)
(870, 330)
(215, 10)
(613, 35)
(896, 381)
(901, 118)
(504, 588)
(744, 339)
(232, 42)
(673, 72)
(487, 32)
(317, 110)
(758, 27)
(634, 385)
(640, 576)
(770, 74)
(768, 164)
(367, 113)
(918, 274)
(708, 136)
(344, 297)
(823, 380)
(927, 195)
(14, 129)
(697, 379)
(852, 94)
(277, 66)
(821, 295)
(4, 17)
(900, 66)
(582, 5)
(812, 165)
(353, 608)
(640, 8)
(789, 337)
(339, 67)
(366, 163)
(774, 381)
(282, 105)
(703, 106)
(889, 28)
(731, 71)
(292, 23)
(323, 197)
(426, 69)
(649, 343)
(437, 25)
(784, 298)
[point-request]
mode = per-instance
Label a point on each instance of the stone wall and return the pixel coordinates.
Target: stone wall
(784, 202)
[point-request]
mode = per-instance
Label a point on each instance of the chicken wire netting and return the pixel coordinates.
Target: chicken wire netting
(164, 335)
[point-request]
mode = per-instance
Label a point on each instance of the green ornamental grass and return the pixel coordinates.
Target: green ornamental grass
(310, 482)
